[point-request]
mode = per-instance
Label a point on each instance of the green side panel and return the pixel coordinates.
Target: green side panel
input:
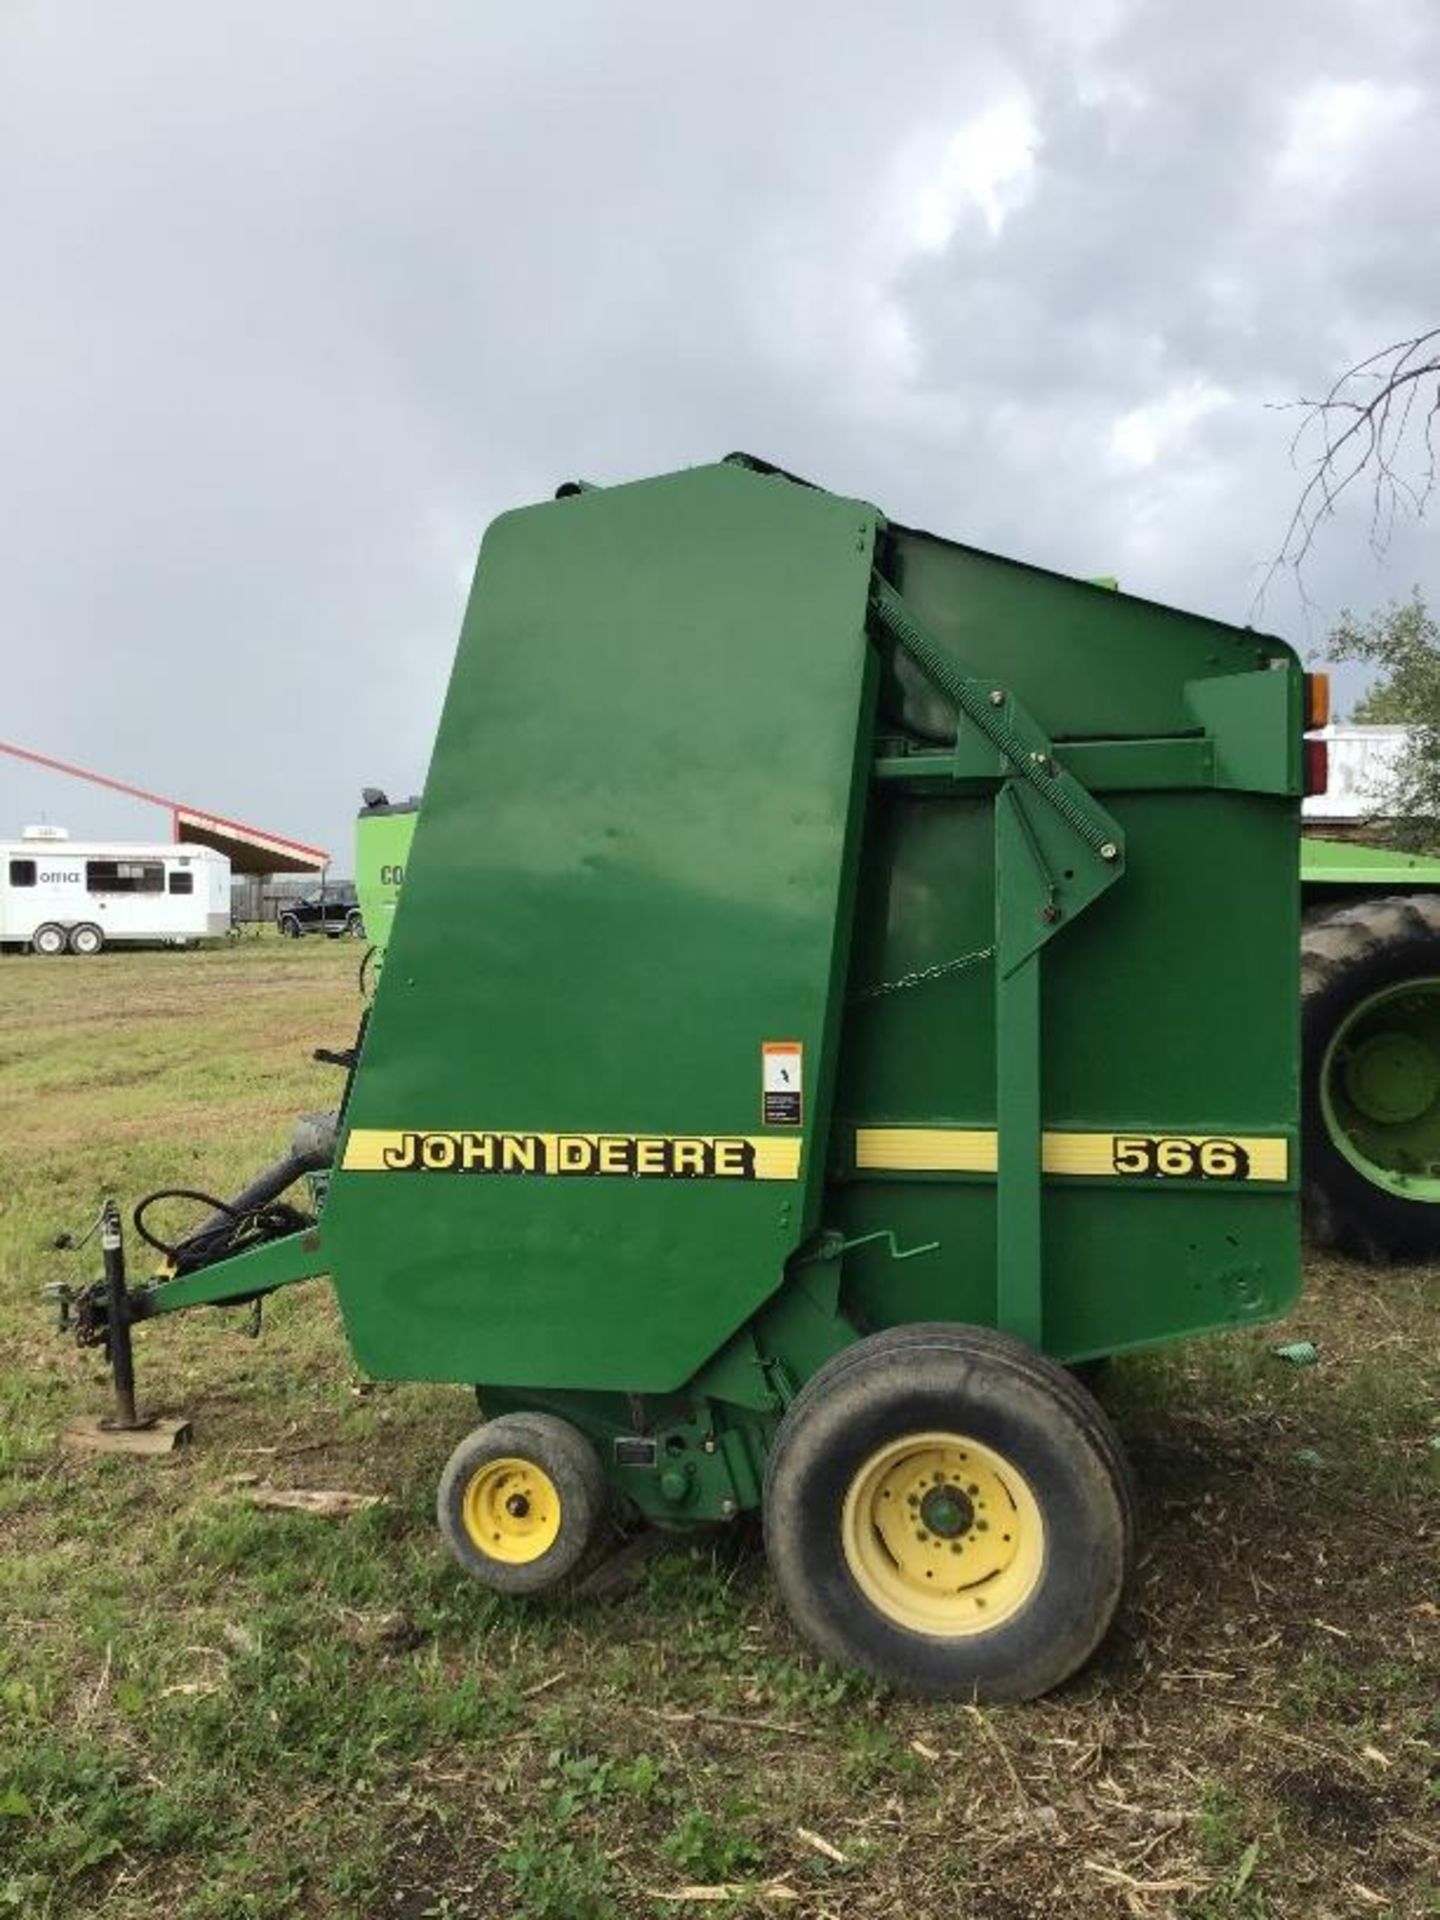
(1089, 662)
(633, 867)
(1342, 863)
(1168, 1008)
(382, 847)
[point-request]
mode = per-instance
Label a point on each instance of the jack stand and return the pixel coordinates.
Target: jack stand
(123, 1431)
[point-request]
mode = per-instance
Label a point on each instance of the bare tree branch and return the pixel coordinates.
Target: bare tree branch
(1360, 429)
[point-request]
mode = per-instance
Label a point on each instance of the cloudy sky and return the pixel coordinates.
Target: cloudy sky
(296, 294)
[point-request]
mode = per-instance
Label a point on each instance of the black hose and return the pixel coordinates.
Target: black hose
(223, 1215)
(264, 1188)
(255, 1215)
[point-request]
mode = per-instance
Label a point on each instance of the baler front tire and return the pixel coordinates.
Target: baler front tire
(520, 1501)
(1350, 959)
(950, 1511)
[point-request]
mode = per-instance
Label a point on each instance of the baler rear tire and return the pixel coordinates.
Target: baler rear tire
(520, 1501)
(893, 1417)
(1069, 1382)
(1348, 956)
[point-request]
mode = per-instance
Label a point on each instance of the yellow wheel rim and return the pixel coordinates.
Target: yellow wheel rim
(942, 1534)
(512, 1510)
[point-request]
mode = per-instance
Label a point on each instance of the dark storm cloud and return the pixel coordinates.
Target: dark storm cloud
(297, 295)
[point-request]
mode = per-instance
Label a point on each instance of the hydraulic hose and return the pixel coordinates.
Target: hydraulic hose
(256, 1213)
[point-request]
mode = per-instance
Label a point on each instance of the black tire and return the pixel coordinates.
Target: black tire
(565, 1458)
(1083, 1403)
(290, 928)
(48, 939)
(87, 939)
(1346, 956)
(355, 924)
(1008, 1402)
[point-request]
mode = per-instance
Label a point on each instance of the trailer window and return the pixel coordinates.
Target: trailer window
(181, 882)
(125, 876)
(22, 873)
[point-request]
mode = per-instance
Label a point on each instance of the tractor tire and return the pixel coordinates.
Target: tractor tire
(1370, 1107)
(87, 939)
(950, 1511)
(520, 1501)
(48, 939)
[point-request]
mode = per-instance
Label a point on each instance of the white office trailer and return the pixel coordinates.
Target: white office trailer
(59, 895)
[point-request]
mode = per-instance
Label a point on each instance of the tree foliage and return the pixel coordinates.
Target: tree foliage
(1402, 644)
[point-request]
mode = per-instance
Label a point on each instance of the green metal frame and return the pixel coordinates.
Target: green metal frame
(1056, 851)
(1347, 864)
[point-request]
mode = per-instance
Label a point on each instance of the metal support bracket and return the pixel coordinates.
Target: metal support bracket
(1057, 849)
(119, 1349)
(104, 1316)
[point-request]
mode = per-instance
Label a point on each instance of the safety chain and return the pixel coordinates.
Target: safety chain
(923, 974)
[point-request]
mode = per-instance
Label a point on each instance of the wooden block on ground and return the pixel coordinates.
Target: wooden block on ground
(87, 1433)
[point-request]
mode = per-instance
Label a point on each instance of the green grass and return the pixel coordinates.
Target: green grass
(209, 1710)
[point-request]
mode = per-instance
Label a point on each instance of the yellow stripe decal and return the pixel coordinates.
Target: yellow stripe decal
(629, 1156)
(925, 1150)
(1146, 1156)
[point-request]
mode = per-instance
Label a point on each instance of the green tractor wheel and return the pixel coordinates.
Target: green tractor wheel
(1371, 979)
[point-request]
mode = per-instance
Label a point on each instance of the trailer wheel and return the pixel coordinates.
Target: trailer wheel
(48, 939)
(520, 1500)
(86, 939)
(951, 1511)
(1371, 1097)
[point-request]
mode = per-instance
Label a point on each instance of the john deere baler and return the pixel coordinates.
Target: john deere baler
(842, 980)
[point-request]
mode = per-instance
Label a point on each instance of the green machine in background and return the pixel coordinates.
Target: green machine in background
(383, 832)
(802, 1036)
(1370, 953)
